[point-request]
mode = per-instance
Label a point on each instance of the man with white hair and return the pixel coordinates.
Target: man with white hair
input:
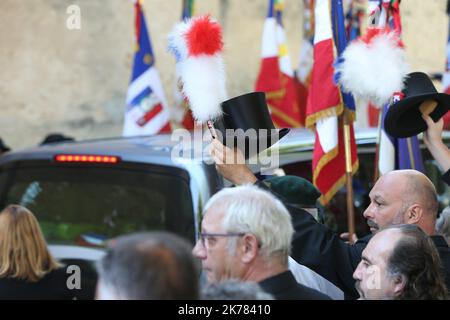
(246, 234)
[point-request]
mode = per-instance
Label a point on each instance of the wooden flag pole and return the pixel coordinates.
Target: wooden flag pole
(348, 171)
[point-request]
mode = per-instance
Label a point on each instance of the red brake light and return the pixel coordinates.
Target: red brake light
(86, 158)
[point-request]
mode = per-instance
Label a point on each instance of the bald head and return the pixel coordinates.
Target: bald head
(402, 196)
(415, 187)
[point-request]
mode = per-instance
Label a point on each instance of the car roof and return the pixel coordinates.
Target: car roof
(155, 149)
(159, 148)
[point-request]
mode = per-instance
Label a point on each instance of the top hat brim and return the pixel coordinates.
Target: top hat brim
(404, 118)
(253, 146)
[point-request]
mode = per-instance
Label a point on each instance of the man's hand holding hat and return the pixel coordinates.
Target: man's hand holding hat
(404, 116)
(231, 164)
(433, 140)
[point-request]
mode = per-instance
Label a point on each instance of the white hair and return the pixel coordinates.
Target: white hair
(249, 209)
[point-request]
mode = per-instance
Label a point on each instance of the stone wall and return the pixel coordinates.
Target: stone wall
(53, 79)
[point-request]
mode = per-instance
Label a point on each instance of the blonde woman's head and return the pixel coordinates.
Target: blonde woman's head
(23, 250)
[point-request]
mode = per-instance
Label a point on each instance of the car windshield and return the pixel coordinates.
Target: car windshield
(87, 205)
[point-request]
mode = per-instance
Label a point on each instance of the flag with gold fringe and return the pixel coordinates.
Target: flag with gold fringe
(305, 62)
(276, 76)
(325, 109)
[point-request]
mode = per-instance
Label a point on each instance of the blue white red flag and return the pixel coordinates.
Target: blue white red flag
(396, 153)
(325, 109)
(446, 75)
(146, 111)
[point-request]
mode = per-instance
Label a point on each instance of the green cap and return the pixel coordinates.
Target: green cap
(295, 190)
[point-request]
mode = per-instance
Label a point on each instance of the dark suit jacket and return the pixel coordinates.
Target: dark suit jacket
(283, 286)
(52, 286)
(320, 249)
(444, 253)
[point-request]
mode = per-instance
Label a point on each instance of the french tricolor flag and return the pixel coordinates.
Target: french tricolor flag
(446, 75)
(324, 110)
(146, 111)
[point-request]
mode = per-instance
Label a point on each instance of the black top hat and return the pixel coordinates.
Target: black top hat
(248, 111)
(3, 147)
(404, 118)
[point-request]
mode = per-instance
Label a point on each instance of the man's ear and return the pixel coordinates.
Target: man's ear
(399, 285)
(414, 214)
(250, 248)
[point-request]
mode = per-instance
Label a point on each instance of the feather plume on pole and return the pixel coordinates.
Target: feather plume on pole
(197, 46)
(373, 66)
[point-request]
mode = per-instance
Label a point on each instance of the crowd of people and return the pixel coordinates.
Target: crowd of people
(403, 202)
(248, 234)
(261, 239)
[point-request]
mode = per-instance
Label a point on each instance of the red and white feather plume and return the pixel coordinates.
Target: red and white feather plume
(374, 66)
(197, 45)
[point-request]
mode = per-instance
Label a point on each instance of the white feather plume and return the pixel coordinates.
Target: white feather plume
(205, 89)
(202, 75)
(374, 70)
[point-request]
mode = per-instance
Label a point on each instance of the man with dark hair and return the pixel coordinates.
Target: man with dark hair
(398, 197)
(400, 262)
(148, 266)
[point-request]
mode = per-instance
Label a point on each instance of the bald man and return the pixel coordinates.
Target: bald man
(403, 196)
(398, 197)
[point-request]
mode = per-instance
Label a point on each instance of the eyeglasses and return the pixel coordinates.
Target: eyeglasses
(204, 236)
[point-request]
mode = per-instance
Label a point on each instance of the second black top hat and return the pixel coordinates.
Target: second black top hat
(248, 111)
(404, 118)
